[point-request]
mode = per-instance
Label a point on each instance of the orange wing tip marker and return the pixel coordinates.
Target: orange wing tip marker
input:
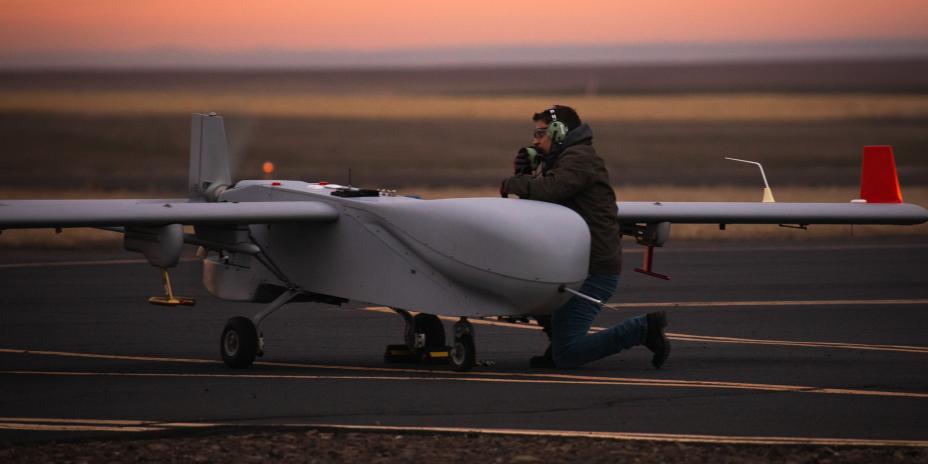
(879, 182)
(170, 299)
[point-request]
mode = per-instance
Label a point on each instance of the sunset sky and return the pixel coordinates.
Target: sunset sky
(107, 26)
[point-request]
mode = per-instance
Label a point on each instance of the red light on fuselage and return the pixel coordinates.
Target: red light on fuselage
(267, 167)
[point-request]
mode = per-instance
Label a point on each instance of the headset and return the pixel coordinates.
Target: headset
(557, 130)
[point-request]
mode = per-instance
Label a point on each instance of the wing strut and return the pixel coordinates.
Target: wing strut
(170, 299)
(648, 261)
(650, 235)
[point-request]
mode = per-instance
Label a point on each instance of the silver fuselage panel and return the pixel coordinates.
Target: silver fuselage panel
(460, 257)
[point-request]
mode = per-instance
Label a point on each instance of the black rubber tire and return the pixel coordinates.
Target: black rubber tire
(239, 343)
(431, 326)
(463, 354)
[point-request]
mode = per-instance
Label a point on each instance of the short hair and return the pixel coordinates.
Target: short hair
(565, 114)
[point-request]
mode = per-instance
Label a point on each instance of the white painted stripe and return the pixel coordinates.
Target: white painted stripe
(623, 380)
(623, 436)
(105, 262)
(775, 248)
(763, 303)
(626, 250)
(73, 428)
(53, 424)
(117, 425)
(713, 339)
(74, 421)
(552, 379)
(68, 354)
(837, 345)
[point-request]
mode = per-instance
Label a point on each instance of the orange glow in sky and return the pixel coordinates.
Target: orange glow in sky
(107, 25)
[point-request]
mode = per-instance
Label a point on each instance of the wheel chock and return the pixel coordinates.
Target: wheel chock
(399, 354)
(435, 355)
(403, 354)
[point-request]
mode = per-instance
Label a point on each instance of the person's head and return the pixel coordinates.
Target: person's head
(544, 137)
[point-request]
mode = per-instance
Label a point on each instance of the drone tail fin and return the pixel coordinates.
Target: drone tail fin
(209, 157)
(879, 182)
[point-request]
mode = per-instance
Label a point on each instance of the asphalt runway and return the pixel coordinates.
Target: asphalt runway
(794, 342)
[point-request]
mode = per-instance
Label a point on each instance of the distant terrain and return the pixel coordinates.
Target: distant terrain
(881, 76)
(668, 125)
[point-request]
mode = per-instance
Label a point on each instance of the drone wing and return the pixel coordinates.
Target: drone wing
(635, 212)
(18, 214)
(880, 203)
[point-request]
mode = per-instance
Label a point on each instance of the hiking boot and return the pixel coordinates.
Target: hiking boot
(655, 340)
(545, 361)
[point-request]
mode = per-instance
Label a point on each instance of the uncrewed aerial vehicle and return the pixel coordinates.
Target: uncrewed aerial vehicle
(276, 242)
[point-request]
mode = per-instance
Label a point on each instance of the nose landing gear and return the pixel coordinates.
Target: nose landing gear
(241, 341)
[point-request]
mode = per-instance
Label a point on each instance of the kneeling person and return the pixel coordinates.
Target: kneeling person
(571, 174)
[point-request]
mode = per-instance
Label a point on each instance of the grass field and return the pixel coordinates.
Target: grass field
(744, 107)
(149, 153)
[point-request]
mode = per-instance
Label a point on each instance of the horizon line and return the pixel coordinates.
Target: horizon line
(656, 53)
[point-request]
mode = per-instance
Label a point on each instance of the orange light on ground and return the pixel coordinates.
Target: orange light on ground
(267, 167)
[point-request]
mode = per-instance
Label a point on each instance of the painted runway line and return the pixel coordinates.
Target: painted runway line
(710, 339)
(41, 424)
(135, 426)
(391, 374)
(664, 437)
(763, 303)
(628, 250)
(102, 262)
(788, 343)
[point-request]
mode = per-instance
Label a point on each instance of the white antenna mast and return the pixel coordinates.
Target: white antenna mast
(768, 194)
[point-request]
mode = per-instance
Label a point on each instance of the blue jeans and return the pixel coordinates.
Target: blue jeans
(571, 343)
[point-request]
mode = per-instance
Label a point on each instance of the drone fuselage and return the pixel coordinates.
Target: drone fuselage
(457, 257)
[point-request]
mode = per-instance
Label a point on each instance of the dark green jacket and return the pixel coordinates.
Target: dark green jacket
(576, 177)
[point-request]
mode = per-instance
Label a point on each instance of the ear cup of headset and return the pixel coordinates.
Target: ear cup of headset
(558, 131)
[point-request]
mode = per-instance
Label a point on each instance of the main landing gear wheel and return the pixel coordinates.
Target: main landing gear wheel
(239, 342)
(430, 326)
(463, 355)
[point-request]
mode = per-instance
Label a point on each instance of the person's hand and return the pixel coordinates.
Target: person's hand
(522, 163)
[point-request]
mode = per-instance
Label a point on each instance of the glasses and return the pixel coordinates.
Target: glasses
(540, 132)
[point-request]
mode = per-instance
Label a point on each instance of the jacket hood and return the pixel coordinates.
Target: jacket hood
(582, 135)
